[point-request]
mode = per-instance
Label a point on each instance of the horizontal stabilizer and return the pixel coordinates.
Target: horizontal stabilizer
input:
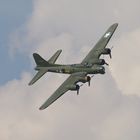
(39, 74)
(54, 57)
(42, 65)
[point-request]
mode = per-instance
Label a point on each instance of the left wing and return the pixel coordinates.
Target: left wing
(95, 53)
(71, 80)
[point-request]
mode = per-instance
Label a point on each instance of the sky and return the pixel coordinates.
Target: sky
(13, 15)
(108, 109)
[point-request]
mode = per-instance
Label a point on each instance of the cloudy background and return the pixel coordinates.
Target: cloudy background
(108, 110)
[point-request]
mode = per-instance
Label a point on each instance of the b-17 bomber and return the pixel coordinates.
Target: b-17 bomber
(91, 64)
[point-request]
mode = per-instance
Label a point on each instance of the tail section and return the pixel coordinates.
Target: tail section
(42, 64)
(38, 75)
(39, 60)
(54, 57)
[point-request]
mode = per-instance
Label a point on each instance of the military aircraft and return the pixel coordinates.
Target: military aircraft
(91, 64)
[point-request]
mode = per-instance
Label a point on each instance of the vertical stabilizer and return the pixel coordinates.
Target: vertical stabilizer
(39, 60)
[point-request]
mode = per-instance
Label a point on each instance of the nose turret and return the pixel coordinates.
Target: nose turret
(102, 70)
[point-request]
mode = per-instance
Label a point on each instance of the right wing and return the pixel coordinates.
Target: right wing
(71, 80)
(39, 74)
(95, 53)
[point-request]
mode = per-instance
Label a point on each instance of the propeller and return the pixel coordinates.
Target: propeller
(89, 83)
(89, 80)
(110, 52)
(79, 88)
(106, 64)
(110, 55)
(77, 91)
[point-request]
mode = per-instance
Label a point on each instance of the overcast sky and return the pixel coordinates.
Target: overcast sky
(108, 110)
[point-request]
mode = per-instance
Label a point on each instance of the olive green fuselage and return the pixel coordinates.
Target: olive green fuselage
(69, 69)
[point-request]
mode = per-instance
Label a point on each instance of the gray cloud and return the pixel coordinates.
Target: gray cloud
(99, 112)
(104, 111)
(126, 65)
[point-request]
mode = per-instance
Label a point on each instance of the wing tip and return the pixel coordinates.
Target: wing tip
(44, 106)
(41, 108)
(35, 54)
(115, 25)
(29, 84)
(60, 50)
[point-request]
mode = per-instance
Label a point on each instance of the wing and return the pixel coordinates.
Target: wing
(39, 74)
(101, 44)
(71, 80)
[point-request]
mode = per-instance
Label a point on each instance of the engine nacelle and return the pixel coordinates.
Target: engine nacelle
(106, 51)
(84, 79)
(100, 62)
(74, 87)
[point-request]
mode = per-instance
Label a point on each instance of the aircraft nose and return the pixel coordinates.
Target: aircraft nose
(102, 69)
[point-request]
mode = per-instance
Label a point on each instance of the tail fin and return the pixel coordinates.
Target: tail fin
(39, 60)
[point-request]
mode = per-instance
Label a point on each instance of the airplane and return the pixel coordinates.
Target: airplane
(91, 64)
